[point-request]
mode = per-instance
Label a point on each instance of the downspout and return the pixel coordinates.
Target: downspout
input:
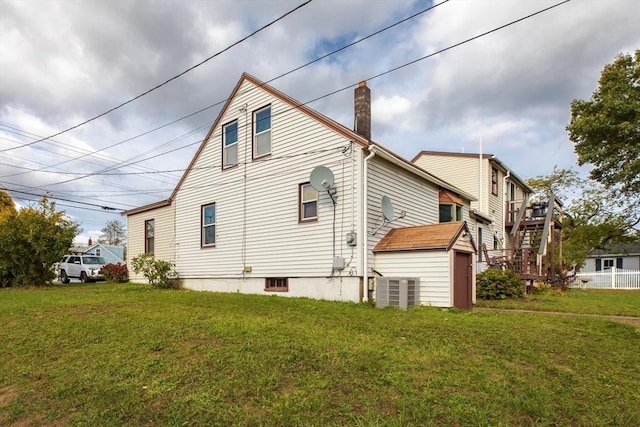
(364, 233)
(505, 191)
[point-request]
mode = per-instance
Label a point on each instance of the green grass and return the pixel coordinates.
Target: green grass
(108, 354)
(582, 301)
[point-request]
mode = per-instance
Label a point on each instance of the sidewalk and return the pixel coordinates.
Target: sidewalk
(634, 321)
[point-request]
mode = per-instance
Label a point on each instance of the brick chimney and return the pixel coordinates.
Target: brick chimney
(90, 242)
(362, 110)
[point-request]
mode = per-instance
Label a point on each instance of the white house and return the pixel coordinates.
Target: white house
(626, 256)
(245, 217)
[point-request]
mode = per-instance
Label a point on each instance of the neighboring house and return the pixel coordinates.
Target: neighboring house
(626, 256)
(248, 215)
(521, 242)
(111, 254)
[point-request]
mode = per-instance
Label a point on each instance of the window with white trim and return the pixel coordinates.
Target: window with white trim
(230, 144)
(308, 203)
(262, 132)
(209, 225)
(149, 236)
(447, 212)
(494, 181)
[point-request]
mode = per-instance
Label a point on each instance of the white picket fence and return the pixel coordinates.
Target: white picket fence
(616, 278)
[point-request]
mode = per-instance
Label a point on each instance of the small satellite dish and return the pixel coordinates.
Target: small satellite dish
(387, 208)
(321, 178)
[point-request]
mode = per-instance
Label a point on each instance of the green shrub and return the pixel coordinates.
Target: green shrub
(117, 273)
(159, 273)
(495, 284)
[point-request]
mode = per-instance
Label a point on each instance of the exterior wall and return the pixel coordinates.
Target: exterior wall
(461, 172)
(434, 269)
(409, 193)
(464, 173)
(164, 244)
(629, 262)
(257, 226)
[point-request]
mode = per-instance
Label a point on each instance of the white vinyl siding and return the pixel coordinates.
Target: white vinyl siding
(432, 267)
(164, 236)
(408, 193)
(260, 214)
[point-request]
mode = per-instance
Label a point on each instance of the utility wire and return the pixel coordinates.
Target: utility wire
(106, 208)
(264, 83)
(167, 81)
(388, 71)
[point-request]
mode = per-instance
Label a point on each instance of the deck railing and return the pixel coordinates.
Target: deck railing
(615, 278)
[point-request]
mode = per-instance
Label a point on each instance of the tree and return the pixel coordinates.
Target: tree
(595, 216)
(113, 234)
(606, 129)
(33, 239)
(6, 203)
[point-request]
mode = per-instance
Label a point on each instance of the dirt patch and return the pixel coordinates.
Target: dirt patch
(8, 394)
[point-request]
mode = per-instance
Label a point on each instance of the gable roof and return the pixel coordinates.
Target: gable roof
(337, 127)
(422, 237)
(491, 157)
(622, 249)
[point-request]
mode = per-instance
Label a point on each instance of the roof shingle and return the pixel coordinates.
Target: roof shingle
(432, 236)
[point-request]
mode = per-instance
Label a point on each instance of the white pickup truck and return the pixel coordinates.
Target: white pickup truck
(84, 267)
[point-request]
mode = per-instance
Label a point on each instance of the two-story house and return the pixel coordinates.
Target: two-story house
(281, 199)
(513, 240)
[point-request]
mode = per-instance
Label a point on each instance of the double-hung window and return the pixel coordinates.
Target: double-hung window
(230, 144)
(494, 181)
(209, 225)
(308, 203)
(262, 132)
(149, 236)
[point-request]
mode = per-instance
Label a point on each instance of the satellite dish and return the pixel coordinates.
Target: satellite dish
(387, 208)
(321, 178)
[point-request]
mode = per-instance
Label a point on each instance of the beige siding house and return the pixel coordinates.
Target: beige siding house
(249, 216)
(498, 190)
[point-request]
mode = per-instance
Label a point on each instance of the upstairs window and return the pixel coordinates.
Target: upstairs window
(308, 203)
(98, 252)
(262, 132)
(149, 236)
(230, 144)
(209, 225)
(449, 213)
(494, 181)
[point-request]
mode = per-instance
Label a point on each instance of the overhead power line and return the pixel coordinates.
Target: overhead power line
(167, 81)
(376, 75)
(220, 102)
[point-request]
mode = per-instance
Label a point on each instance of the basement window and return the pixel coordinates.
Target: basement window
(276, 284)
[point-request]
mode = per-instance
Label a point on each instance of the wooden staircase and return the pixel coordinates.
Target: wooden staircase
(535, 240)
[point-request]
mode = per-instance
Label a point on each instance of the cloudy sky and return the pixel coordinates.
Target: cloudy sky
(64, 62)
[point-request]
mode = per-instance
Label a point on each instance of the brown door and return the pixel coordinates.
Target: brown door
(462, 283)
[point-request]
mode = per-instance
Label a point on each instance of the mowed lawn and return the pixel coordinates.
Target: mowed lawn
(107, 354)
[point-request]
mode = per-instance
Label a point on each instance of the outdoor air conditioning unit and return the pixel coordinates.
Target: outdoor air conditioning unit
(400, 292)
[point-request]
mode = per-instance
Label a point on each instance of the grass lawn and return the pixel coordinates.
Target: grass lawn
(107, 354)
(583, 301)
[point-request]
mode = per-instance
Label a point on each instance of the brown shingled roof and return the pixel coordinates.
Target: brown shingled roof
(432, 236)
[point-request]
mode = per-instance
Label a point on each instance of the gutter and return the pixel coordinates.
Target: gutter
(364, 232)
(505, 193)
